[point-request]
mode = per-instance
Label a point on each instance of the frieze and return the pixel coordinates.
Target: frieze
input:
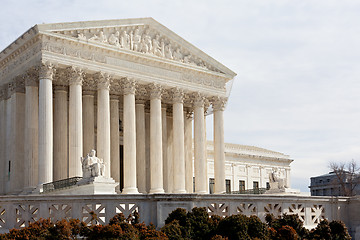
(142, 39)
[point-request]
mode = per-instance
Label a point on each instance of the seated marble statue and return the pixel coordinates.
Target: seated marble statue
(92, 166)
(276, 182)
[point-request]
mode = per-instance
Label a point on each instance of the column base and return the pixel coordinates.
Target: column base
(179, 191)
(201, 192)
(222, 192)
(130, 191)
(157, 190)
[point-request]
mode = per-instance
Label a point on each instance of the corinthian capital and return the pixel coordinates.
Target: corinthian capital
(32, 77)
(46, 71)
(76, 75)
(155, 90)
(219, 103)
(129, 86)
(198, 99)
(103, 81)
(177, 95)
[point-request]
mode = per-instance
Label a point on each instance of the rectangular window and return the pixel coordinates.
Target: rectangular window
(241, 185)
(211, 185)
(228, 186)
(255, 185)
(267, 185)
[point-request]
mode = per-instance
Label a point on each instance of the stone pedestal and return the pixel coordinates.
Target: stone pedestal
(95, 185)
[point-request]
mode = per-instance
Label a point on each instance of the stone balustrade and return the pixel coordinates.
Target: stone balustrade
(19, 211)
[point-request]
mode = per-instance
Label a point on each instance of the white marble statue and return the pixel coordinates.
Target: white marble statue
(276, 181)
(92, 166)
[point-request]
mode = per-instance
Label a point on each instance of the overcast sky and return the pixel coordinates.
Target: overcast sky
(298, 65)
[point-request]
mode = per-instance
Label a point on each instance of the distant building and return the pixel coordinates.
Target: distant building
(329, 185)
(248, 167)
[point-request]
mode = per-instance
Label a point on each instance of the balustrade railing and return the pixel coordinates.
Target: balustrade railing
(60, 184)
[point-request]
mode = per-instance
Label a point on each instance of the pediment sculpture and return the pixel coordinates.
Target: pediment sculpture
(92, 166)
(145, 40)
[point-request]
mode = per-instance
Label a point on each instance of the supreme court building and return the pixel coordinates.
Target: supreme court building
(131, 89)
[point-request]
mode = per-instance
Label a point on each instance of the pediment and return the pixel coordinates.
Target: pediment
(144, 36)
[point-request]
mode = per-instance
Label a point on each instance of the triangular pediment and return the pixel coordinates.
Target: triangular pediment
(143, 35)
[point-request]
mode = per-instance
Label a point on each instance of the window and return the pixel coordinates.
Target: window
(255, 185)
(267, 185)
(241, 185)
(228, 186)
(211, 185)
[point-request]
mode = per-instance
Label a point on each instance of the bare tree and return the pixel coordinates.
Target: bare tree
(347, 176)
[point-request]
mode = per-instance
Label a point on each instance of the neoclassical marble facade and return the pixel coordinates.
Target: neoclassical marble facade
(249, 167)
(131, 89)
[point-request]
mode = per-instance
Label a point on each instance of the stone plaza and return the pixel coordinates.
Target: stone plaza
(139, 95)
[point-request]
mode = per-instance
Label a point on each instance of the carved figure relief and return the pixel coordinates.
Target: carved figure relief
(145, 40)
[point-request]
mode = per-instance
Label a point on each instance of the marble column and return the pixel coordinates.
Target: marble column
(188, 153)
(219, 146)
(2, 141)
(140, 146)
(45, 124)
(156, 160)
(114, 136)
(61, 148)
(129, 138)
(164, 148)
(8, 135)
(31, 131)
(178, 144)
(199, 145)
(75, 122)
(17, 99)
(168, 175)
(88, 121)
(288, 180)
(103, 121)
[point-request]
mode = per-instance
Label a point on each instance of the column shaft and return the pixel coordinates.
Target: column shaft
(199, 147)
(75, 130)
(61, 131)
(88, 123)
(45, 126)
(31, 136)
(2, 144)
(129, 144)
(140, 147)
(178, 146)
(168, 175)
(188, 155)
(164, 149)
(114, 136)
(219, 152)
(156, 161)
(103, 128)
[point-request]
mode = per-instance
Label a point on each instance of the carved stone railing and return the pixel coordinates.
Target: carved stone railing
(19, 211)
(60, 184)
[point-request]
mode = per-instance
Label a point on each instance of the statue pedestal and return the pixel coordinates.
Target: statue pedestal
(89, 186)
(96, 185)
